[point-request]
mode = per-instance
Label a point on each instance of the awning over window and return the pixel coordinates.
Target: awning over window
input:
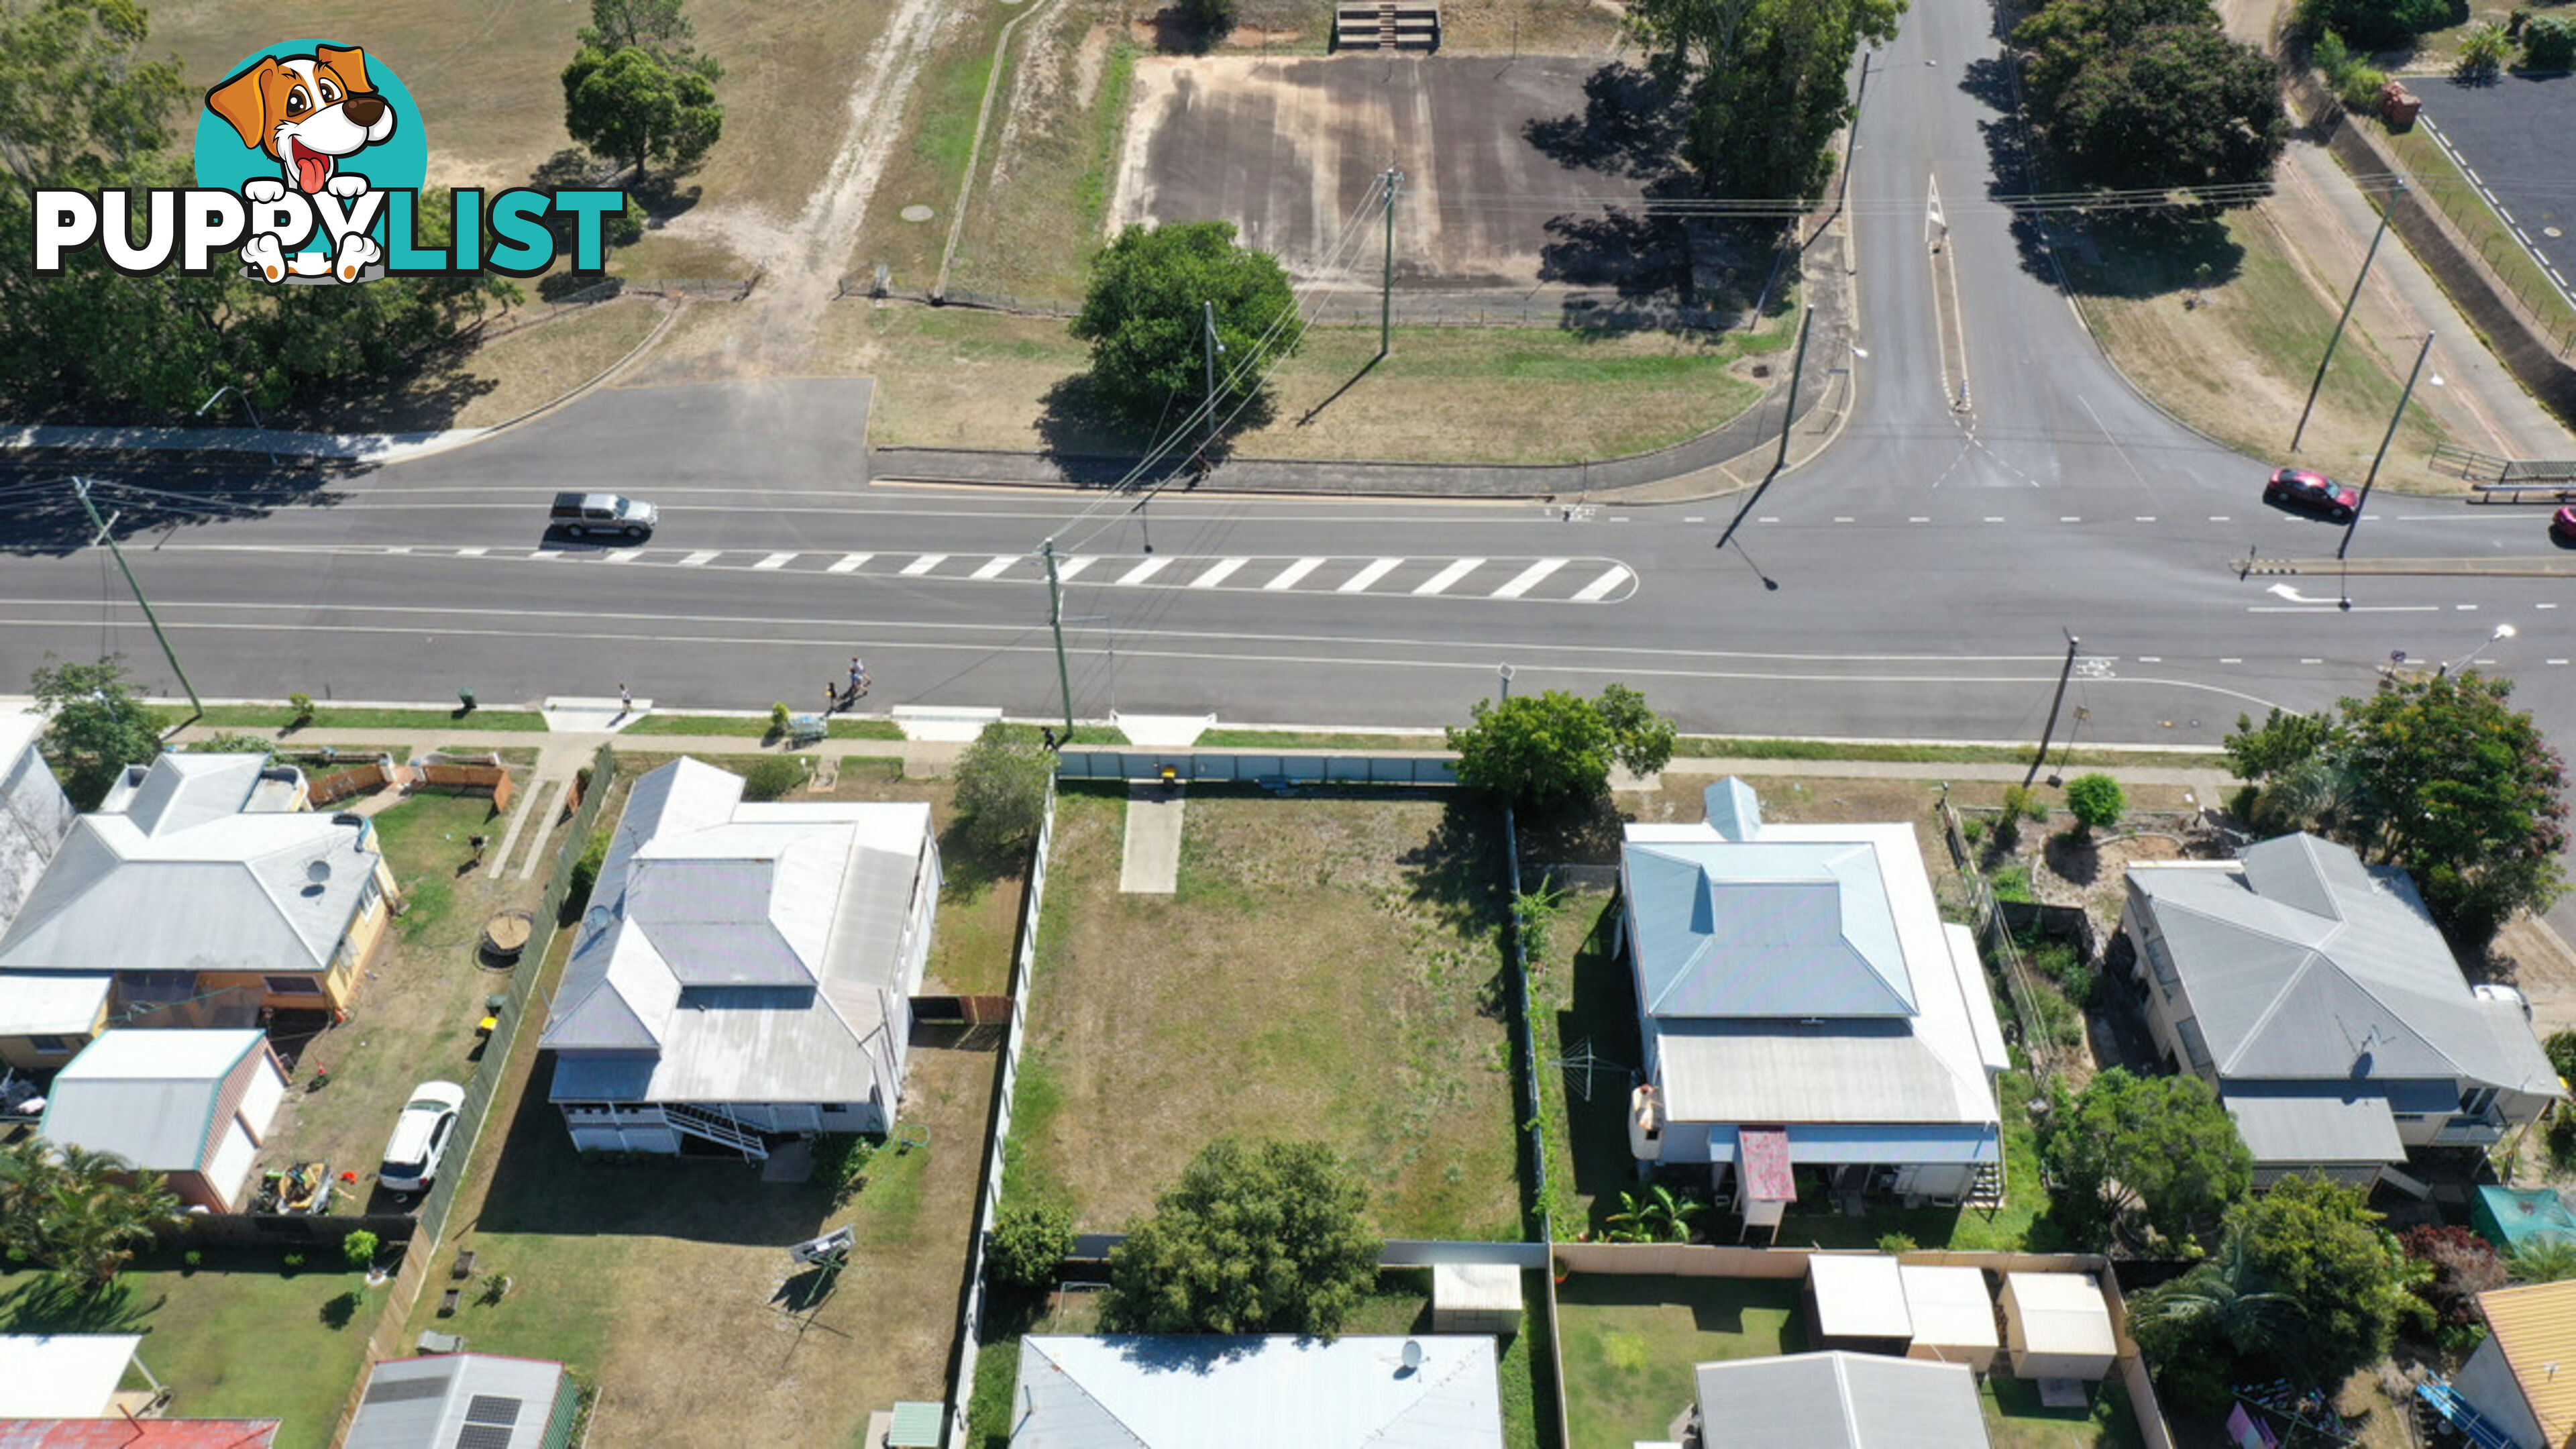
(1764, 1154)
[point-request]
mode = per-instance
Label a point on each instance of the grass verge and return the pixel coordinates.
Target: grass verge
(730, 726)
(1706, 747)
(2438, 178)
(329, 717)
(951, 377)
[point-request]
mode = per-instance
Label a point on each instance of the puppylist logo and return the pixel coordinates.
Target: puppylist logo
(310, 164)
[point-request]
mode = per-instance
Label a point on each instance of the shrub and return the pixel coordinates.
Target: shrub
(359, 1248)
(2482, 52)
(194, 1258)
(1897, 1243)
(231, 742)
(2060, 962)
(299, 710)
(2561, 1048)
(294, 1262)
(778, 718)
(1002, 790)
(2372, 24)
(770, 778)
(2095, 801)
(2549, 43)
(841, 1163)
(2012, 883)
(2464, 1266)
(1031, 1237)
(2331, 56)
(2559, 1139)
(2359, 90)
(585, 871)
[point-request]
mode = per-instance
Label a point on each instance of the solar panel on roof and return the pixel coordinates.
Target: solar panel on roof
(397, 1391)
(483, 1436)
(492, 1409)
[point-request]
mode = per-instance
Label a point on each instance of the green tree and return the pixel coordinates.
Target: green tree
(2318, 1243)
(1545, 753)
(1267, 1237)
(98, 726)
(656, 26)
(2165, 1139)
(1002, 790)
(2460, 789)
(636, 106)
(2547, 1259)
(2371, 24)
(2483, 52)
(2196, 1329)
(1143, 315)
(100, 1211)
(2065, 37)
(2549, 42)
(1640, 739)
(1031, 1239)
(2096, 801)
(1766, 82)
(28, 1177)
(2280, 743)
(2183, 106)
(1211, 18)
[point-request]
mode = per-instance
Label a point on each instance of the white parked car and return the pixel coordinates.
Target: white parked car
(421, 1136)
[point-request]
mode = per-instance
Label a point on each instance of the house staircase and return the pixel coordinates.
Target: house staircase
(1986, 1193)
(714, 1124)
(1386, 25)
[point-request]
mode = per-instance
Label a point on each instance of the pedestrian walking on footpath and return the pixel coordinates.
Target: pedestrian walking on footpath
(625, 701)
(858, 677)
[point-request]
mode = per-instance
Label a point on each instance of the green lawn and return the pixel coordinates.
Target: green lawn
(1712, 747)
(1630, 1344)
(425, 838)
(238, 1338)
(2016, 1419)
(1580, 994)
(331, 717)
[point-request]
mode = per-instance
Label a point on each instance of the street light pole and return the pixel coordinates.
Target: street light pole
(2385, 439)
(2320, 380)
(80, 489)
(2050, 728)
(1386, 287)
(246, 407)
(2502, 631)
(1055, 621)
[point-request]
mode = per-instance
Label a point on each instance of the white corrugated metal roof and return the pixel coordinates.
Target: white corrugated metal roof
(2059, 1313)
(427, 1403)
(1859, 1295)
(50, 1003)
(1256, 1392)
(147, 1096)
(62, 1375)
(1839, 1401)
(1951, 1307)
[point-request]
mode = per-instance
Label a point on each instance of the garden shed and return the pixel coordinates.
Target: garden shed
(1475, 1298)
(2058, 1326)
(193, 1105)
(2514, 1218)
(1856, 1301)
(1954, 1316)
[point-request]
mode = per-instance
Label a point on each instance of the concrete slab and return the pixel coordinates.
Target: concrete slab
(1163, 731)
(1152, 863)
(952, 725)
(592, 716)
(789, 1162)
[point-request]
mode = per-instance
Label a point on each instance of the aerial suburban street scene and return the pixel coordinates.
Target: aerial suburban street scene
(1550, 724)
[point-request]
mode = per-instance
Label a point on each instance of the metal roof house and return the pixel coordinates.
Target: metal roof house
(35, 814)
(194, 1105)
(2519, 1379)
(745, 970)
(1186, 1391)
(208, 891)
(1803, 1006)
(2315, 994)
(465, 1401)
(1839, 1400)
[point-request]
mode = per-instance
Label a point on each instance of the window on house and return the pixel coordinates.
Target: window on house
(2477, 1101)
(51, 1046)
(367, 895)
(2162, 960)
(293, 986)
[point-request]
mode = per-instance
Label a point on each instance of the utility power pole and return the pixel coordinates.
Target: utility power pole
(2049, 729)
(2385, 439)
(1851, 133)
(1789, 415)
(1055, 621)
(1386, 286)
(2301, 430)
(80, 489)
(1207, 327)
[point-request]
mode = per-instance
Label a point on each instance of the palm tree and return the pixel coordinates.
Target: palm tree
(28, 1175)
(100, 1211)
(1660, 1216)
(2550, 1259)
(2222, 1300)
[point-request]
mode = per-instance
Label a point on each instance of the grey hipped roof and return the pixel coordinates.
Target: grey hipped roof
(738, 952)
(1189, 1391)
(2302, 963)
(439, 1402)
(35, 814)
(173, 882)
(1839, 1400)
(1758, 928)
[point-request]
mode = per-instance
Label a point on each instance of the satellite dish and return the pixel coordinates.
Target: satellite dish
(318, 871)
(598, 917)
(1412, 1353)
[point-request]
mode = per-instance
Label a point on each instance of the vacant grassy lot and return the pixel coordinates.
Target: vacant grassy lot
(414, 1016)
(2237, 365)
(1329, 969)
(1630, 1344)
(955, 378)
(238, 1337)
(1042, 184)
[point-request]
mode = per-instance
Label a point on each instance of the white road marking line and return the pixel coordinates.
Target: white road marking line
(2068, 518)
(541, 555)
(1918, 520)
(1768, 518)
(849, 563)
(2556, 661)
(1224, 569)
(2151, 659)
(775, 561)
(1528, 578)
(2337, 608)
(1369, 575)
(399, 548)
(2466, 608)
(923, 565)
(700, 558)
(1594, 591)
(1067, 568)
(1694, 518)
(995, 565)
(1439, 582)
(1289, 576)
(1993, 518)
(2144, 518)
(624, 555)
(2544, 606)
(2312, 661)
(1844, 518)
(2230, 659)
(2219, 518)
(1143, 571)
(472, 552)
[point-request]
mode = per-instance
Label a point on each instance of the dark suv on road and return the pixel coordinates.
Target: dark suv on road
(2312, 493)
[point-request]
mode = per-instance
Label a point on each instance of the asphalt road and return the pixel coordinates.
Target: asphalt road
(1916, 581)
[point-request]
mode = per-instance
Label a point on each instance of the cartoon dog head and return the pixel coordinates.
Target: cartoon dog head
(307, 111)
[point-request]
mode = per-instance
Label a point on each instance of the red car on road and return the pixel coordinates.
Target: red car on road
(2313, 493)
(2562, 525)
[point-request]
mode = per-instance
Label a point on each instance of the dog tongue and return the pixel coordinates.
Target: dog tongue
(311, 170)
